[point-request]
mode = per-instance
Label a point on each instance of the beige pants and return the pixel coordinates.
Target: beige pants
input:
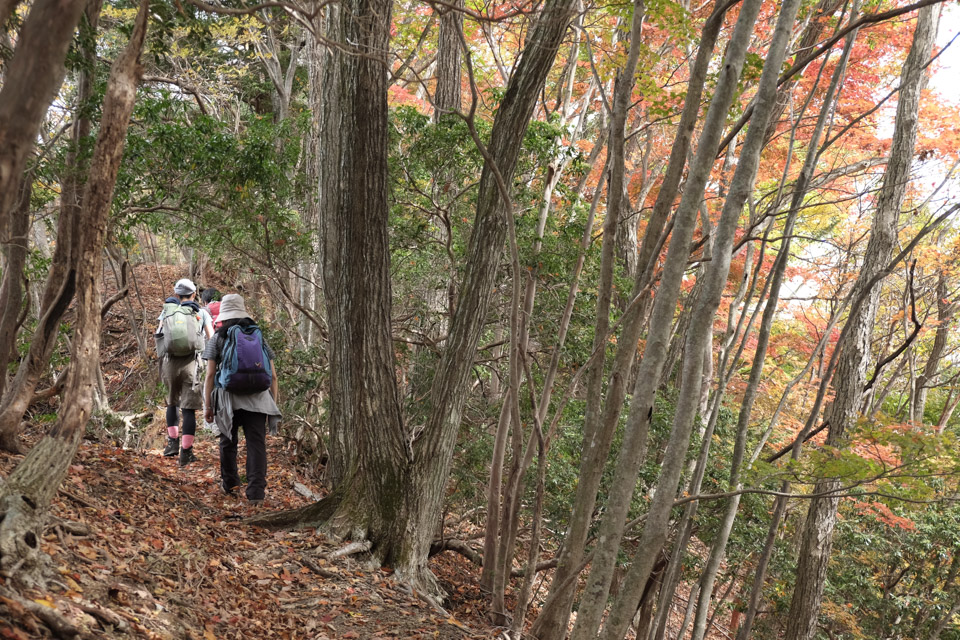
(183, 385)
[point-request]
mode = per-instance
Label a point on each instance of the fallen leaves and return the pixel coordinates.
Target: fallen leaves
(145, 549)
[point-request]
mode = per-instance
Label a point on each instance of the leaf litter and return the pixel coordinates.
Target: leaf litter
(141, 548)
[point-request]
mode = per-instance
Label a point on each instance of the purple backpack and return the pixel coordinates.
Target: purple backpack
(244, 365)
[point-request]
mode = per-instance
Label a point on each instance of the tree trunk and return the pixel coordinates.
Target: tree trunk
(369, 445)
(335, 114)
(30, 84)
(718, 549)
(951, 405)
(555, 615)
(15, 249)
(26, 496)
(823, 13)
(432, 459)
(928, 376)
(817, 537)
(59, 288)
(309, 270)
(391, 487)
(447, 94)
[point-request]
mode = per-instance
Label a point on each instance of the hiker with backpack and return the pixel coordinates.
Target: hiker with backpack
(240, 390)
(180, 339)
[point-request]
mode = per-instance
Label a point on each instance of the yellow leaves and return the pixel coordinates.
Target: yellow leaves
(456, 623)
(118, 14)
(70, 582)
(45, 603)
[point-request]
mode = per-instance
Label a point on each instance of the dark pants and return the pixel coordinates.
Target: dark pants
(255, 432)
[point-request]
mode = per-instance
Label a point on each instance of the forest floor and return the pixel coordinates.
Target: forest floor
(142, 548)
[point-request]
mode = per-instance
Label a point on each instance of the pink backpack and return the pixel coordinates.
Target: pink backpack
(214, 310)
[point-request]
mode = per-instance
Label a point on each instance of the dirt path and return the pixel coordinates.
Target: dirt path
(141, 548)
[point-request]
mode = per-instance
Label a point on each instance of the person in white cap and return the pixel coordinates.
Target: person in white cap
(183, 325)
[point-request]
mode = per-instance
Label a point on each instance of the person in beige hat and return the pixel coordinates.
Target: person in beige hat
(241, 391)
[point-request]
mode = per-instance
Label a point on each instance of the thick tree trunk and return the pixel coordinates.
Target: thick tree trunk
(369, 445)
(447, 94)
(26, 496)
(335, 113)
(59, 287)
(30, 84)
(555, 615)
(817, 538)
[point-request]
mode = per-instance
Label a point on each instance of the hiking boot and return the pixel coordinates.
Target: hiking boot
(227, 491)
(186, 457)
(172, 448)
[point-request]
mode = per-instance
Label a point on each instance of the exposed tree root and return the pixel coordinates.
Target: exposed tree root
(317, 569)
(408, 585)
(55, 621)
(341, 519)
(105, 615)
(457, 546)
(351, 549)
(474, 556)
(20, 557)
(312, 515)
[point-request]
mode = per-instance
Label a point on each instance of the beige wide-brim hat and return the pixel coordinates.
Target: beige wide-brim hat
(232, 307)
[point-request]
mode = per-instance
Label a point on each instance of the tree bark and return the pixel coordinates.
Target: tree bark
(30, 84)
(335, 107)
(15, 249)
(26, 496)
(369, 445)
(447, 98)
(718, 548)
(817, 538)
(432, 459)
(823, 11)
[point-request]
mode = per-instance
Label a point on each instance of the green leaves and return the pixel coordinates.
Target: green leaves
(191, 177)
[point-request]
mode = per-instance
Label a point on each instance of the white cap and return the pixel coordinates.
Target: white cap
(184, 287)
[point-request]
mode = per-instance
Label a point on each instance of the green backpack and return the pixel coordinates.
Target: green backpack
(181, 330)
